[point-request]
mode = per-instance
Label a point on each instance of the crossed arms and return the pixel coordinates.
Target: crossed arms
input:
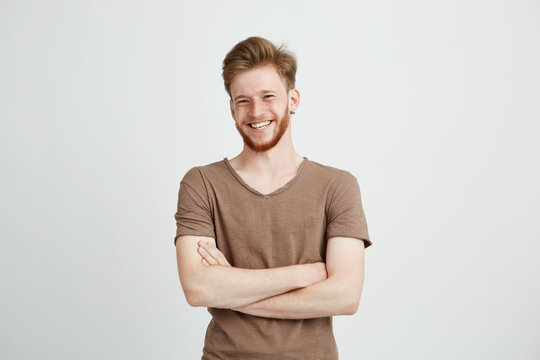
(290, 292)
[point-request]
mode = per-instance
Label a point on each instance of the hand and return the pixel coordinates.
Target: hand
(211, 255)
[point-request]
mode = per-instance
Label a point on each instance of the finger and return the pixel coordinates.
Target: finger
(217, 254)
(223, 260)
(207, 256)
(212, 250)
(205, 262)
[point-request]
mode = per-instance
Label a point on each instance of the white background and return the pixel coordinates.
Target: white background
(432, 105)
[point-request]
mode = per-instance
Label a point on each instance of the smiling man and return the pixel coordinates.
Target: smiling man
(270, 242)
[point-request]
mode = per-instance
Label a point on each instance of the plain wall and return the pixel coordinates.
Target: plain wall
(432, 105)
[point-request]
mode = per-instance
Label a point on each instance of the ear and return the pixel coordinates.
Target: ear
(232, 109)
(294, 100)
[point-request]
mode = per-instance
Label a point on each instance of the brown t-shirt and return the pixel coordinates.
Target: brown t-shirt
(256, 231)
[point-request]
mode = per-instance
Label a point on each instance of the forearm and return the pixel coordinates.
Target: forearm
(223, 286)
(228, 287)
(339, 294)
(326, 298)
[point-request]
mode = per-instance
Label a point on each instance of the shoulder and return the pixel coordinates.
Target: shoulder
(334, 182)
(205, 173)
(330, 174)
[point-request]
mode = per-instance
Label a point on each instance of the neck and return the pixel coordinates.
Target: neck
(281, 158)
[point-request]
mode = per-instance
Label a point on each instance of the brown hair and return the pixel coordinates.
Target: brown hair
(255, 51)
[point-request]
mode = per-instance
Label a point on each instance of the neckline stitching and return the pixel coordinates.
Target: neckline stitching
(275, 192)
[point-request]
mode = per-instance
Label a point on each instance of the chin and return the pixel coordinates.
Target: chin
(280, 126)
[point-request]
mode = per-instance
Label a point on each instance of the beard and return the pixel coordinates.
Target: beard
(280, 126)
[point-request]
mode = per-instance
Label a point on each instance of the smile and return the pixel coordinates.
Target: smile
(260, 125)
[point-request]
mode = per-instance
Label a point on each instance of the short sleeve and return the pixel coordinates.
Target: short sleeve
(193, 215)
(345, 214)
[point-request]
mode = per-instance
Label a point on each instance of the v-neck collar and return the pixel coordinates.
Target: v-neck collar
(283, 188)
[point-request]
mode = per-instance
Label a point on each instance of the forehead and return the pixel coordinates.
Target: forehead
(258, 79)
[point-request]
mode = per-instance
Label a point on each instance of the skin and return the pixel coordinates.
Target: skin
(339, 294)
(260, 94)
(281, 125)
(228, 287)
(267, 162)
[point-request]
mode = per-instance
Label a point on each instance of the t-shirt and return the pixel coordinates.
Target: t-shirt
(255, 231)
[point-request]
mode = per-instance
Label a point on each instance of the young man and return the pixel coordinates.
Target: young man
(269, 241)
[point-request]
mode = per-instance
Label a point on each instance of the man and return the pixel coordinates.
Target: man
(269, 241)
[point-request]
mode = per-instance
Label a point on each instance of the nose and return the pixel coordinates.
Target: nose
(256, 109)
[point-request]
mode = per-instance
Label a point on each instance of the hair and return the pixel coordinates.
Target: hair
(256, 51)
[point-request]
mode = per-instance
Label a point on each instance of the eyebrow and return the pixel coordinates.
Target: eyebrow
(262, 92)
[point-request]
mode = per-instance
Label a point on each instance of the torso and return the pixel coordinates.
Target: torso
(255, 229)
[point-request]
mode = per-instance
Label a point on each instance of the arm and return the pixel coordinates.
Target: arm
(339, 294)
(223, 286)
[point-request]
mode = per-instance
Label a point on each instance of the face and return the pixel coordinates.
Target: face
(260, 106)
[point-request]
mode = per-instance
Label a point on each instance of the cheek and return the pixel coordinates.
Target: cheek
(240, 114)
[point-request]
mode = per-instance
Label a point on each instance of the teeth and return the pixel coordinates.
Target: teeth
(260, 125)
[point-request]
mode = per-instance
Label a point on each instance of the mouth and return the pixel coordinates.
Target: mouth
(260, 124)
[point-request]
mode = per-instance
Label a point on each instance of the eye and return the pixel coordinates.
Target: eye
(268, 96)
(244, 101)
